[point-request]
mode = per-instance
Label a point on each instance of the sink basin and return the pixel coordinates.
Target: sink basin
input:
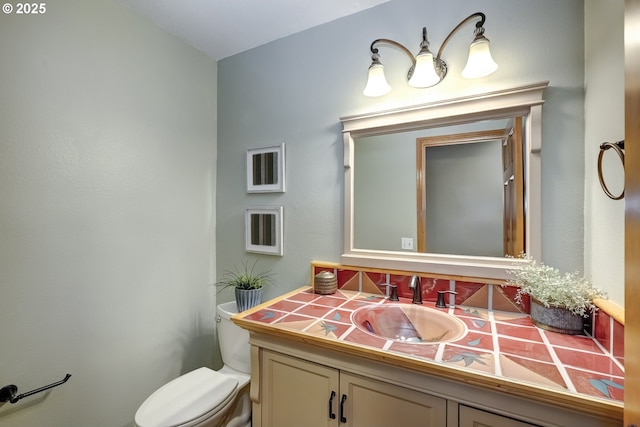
(409, 323)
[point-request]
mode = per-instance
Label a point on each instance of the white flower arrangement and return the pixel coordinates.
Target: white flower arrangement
(553, 289)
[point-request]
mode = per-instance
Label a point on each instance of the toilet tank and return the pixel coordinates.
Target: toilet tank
(234, 341)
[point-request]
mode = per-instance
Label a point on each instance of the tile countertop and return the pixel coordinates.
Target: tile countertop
(501, 350)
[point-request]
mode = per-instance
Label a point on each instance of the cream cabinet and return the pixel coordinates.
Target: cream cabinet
(296, 393)
(472, 417)
(299, 384)
(299, 393)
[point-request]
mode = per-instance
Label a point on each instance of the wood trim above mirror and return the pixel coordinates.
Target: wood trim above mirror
(525, 101)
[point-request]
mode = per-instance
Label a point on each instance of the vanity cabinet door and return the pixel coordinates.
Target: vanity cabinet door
(471, 417)
(297, 393)
(373, 403)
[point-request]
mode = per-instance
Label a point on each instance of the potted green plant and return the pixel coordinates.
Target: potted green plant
(559, 302)
(248, 285)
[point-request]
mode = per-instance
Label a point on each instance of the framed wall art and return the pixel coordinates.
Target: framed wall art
(263, 230)
(265, 170)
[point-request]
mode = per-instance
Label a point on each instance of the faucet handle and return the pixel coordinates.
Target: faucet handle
(393, 291)
(440, 302)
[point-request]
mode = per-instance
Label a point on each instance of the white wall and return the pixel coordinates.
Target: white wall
(295, 89)
(107, 190)
(604, 121)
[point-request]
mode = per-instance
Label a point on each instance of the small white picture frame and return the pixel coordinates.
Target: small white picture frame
(265, 170)
(263, 230)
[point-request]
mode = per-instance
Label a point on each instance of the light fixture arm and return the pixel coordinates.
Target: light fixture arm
(375, 56)
(479, 31)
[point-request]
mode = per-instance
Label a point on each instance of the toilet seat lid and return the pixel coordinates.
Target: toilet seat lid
(186, 398)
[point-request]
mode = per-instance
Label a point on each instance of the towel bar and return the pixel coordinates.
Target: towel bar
(8, 392)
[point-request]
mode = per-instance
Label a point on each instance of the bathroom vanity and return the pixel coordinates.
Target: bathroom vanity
(312, 366)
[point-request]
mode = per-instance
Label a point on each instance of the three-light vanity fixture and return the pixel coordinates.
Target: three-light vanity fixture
(428, 71)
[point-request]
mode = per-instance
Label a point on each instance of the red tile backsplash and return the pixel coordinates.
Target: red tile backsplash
(602, 329)
(618, 341)
(466, 290)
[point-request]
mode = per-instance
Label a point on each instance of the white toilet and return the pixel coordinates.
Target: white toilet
(204, 397)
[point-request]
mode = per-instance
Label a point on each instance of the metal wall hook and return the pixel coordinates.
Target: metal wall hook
(8, 392)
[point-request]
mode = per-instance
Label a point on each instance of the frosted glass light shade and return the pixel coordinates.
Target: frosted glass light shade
(480, 62)
(376, 83)
(424, 74)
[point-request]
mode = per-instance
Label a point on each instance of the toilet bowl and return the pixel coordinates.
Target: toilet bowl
(204, 397)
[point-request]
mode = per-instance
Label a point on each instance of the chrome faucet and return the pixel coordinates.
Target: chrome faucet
(417, 289)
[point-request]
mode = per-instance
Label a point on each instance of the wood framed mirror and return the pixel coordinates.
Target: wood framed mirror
(524, 102)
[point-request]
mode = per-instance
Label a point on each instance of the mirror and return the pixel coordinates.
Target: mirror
(462, 175)
(381, 200)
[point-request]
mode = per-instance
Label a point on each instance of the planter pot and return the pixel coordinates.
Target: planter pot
(248, 298)
(555, 319)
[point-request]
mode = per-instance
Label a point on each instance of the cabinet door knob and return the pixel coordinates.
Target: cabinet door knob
(343, 419)
(331, 414)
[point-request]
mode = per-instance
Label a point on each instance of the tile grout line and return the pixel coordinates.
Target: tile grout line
(317, 319)
(490, 299)
(494, 333)
(347, 332)
(452, 297)
(341, 307)
(609, 354)
(439, 353)
(556, 360)
(496, 345)
(611, 332)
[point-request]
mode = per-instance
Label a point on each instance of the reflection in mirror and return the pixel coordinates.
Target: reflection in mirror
(459, 178)
(470, 192)
(462, 199)
(385, 206)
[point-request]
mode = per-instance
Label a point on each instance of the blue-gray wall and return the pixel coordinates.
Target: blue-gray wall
(295, 89)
